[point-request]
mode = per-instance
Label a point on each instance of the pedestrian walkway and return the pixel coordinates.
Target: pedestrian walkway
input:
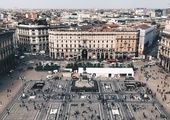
(157, 82)
(9, 86)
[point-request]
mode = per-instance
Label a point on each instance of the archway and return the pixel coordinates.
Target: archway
(102, 55)
(62, 55)
(58, 55)
(98, 55)
(84, 54)
(111, 55)
(106, 55)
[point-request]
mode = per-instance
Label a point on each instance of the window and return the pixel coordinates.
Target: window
(74, 45)
(106, 45)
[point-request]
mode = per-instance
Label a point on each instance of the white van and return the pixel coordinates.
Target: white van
(49, 77)
(55, 71)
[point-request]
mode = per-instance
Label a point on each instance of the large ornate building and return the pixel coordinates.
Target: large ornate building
(33, 38)
(92, 44)
(6, 51)
(164, 47)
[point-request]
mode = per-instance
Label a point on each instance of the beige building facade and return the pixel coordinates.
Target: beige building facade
(164, 47)
(92, 45)
(32, 38)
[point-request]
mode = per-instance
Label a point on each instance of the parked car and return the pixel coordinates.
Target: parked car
(57, 78)
(30, 68)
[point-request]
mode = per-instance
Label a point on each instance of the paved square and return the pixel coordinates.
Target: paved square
(27, 112)
(84, 111)
(142, 111)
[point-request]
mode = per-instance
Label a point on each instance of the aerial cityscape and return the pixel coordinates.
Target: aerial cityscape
(84, 60)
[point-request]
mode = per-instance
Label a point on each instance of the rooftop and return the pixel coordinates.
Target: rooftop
(143, 26)
(32, 26)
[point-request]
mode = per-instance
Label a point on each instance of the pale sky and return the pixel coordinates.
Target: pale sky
(84, 4)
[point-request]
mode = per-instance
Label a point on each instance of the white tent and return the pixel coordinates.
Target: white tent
(106, 72)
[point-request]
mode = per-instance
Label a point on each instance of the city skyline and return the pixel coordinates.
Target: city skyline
(88, 4)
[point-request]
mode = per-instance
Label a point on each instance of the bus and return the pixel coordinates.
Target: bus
(112, 60)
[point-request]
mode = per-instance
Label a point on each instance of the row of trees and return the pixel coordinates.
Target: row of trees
(47, 68)
(75, 65)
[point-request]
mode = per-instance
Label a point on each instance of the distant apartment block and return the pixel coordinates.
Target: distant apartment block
(32, 38)
(164, 47)
(6, 51)
(92, 44)
(146, 37)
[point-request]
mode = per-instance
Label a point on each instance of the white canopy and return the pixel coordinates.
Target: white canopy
(108, 70)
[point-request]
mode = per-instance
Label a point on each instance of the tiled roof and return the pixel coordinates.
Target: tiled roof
(143, 26)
